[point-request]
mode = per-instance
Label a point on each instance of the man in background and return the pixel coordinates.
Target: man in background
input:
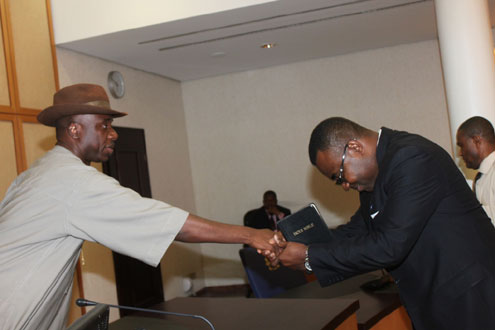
(268, 215)
(417, 218)
(476, 140)
(61, 201)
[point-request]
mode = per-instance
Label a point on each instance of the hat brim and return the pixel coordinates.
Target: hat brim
(50, 115)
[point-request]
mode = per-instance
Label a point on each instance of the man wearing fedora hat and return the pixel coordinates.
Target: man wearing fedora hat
(50, 209)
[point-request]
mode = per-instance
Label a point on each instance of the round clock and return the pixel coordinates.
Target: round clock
(116, 84)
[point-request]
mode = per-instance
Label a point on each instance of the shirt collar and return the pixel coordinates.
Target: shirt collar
(487, 163)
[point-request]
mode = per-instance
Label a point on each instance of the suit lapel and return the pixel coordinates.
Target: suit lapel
(376, 197)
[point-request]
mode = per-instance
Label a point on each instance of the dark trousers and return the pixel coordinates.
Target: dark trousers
(473, 310)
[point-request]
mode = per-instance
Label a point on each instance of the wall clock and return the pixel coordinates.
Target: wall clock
(116, 84)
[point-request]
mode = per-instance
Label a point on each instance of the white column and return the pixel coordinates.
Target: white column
(466, 48)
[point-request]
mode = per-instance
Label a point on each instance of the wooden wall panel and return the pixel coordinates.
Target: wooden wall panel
(9, 166)
(32, 53)
(4, 82)
(98, 166)
(38, 139)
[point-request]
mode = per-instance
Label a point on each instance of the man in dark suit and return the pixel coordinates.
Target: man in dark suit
(268, 215)
(418, 219)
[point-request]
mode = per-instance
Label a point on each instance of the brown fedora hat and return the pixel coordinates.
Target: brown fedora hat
(78, 99)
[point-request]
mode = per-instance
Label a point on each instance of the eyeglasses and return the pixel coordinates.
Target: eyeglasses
(340, 179)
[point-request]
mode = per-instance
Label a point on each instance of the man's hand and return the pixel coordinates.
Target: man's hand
(262, 241)
(279, 242)
(274, 210)
(293, 255)
(279, 239)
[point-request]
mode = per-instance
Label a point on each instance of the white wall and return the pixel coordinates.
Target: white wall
(154, 104)
(248, 132)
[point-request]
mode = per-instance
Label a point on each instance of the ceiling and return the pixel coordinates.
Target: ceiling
(229, 41)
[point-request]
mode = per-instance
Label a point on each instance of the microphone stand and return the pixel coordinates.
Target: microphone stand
(84, 302)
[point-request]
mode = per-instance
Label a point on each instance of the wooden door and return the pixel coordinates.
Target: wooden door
(138, 284)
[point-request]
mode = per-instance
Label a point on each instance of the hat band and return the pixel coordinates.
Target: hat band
(101, 104)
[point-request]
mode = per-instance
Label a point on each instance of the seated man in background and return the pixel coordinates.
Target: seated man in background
(268, 215)
(50, 209)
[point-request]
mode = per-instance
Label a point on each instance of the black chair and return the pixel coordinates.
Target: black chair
(265, 280)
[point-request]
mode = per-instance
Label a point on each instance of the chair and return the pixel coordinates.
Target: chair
(267, 281)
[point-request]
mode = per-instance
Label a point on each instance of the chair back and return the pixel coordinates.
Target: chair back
(265, 280)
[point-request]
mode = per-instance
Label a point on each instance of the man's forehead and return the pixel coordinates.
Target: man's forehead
(462, 138)
(328, 154)
(95, 117)
(326, 159)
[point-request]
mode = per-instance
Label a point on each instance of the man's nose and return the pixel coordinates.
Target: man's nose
(346, 186)
(113, 135)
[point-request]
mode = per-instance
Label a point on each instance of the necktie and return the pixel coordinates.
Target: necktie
(476, 178)
(274, 219)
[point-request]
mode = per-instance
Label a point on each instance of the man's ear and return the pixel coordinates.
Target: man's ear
(478, 141)
(74, 130)
(355, 146)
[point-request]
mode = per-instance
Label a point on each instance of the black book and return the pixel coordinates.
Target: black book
(305, 226)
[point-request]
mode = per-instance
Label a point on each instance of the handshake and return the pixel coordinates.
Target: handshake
(274, 247)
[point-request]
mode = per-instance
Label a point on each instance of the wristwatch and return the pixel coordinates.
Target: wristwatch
(306, 263)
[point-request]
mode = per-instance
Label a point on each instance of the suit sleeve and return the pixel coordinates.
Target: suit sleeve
(246, 220)
(413, 184)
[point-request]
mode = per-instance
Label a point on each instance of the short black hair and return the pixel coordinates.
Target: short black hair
(269, 192)
(333, 132)
(478, 126)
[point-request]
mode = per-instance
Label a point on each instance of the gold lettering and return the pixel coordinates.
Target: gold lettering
(297, 232)
(307, 227)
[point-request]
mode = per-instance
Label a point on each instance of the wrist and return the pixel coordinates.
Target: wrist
(248, 238)
(307, 266)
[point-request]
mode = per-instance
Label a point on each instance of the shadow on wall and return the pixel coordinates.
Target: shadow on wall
(329, 196)
(222, 268)
(185, 260)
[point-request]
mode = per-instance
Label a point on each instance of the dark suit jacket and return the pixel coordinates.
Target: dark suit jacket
(430, 232)
(258, 218)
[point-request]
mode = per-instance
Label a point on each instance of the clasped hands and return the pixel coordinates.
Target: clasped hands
(289, 254)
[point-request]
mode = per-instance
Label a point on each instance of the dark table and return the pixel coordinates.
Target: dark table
(248, 314)
(374, 306)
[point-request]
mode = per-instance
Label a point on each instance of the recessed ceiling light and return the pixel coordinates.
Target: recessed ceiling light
(268, 45)
(217, 54)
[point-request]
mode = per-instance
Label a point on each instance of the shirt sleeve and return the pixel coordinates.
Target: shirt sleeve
(101, 210)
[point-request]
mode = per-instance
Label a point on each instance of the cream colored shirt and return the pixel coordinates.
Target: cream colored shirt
(47, 213)
(485, 186)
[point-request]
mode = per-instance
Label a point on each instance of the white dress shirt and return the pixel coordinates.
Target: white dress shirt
(485, 186)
